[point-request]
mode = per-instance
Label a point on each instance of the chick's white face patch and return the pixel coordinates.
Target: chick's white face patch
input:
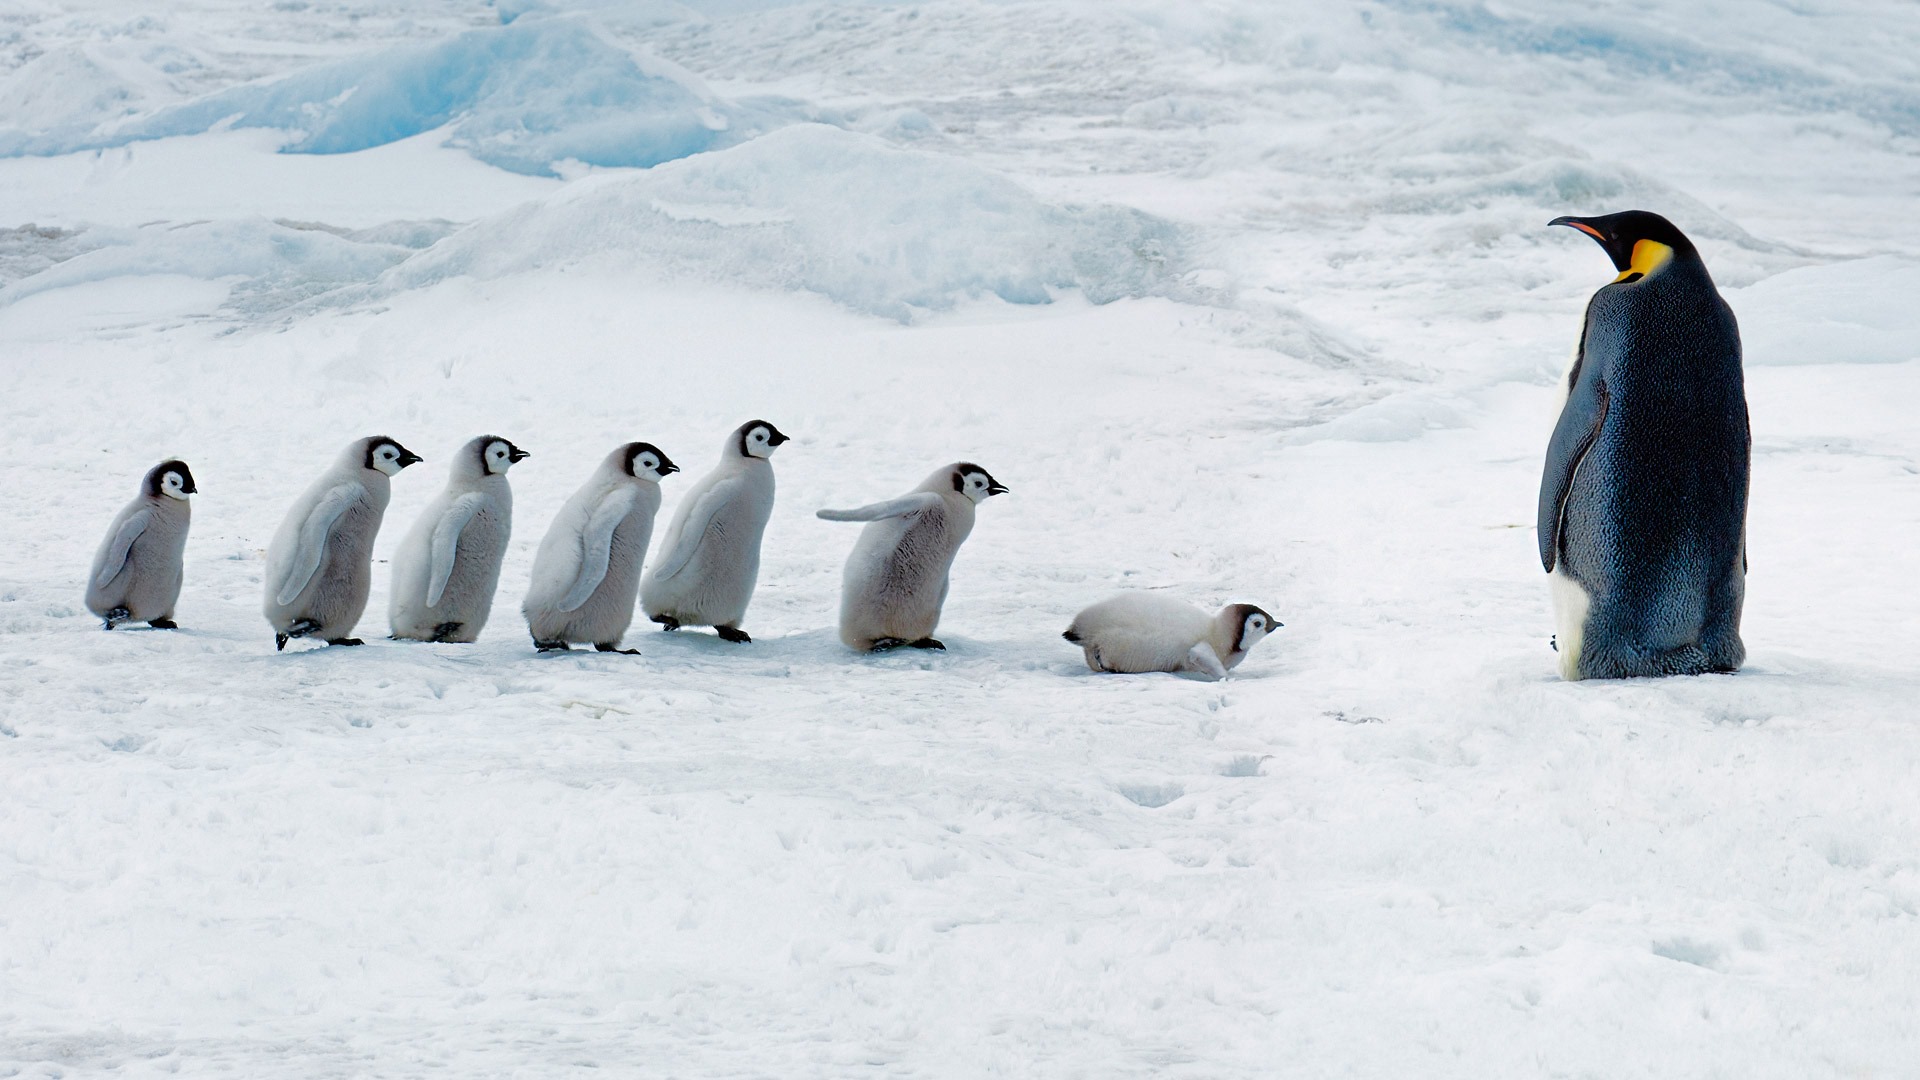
(759, 442)
(386, 458)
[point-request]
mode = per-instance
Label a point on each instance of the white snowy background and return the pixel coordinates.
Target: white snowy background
(1245, 301)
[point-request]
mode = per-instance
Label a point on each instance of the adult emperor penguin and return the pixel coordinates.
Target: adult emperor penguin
(320, 564)
(1643, 502)
(136, 574)
(588, 568)
(449, 564)
(1138, 632)
(710, 557)
(896, 578)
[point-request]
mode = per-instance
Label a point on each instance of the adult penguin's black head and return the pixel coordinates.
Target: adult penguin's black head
(1638, 242)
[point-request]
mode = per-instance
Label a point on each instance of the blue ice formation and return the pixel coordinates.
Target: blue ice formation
(522, 97)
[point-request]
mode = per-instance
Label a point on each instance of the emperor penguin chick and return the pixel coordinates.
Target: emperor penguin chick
(1137, 632)
(320, 564)
(896, 577)
(588, 568)
(1643, 499)
(136, 574)
(710, 557)
(447, 568)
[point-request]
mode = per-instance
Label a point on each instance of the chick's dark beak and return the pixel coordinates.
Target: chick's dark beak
(774, 437)
(995, 487)
(668, 468)
(408, 457)
(515, 454)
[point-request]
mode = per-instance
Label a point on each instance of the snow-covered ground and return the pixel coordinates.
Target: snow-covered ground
(1244, 301)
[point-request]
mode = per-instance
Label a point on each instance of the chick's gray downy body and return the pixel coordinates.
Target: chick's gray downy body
(895, 583)
(137, 572)
(320, 564)
(1142, 632)
(709, 559)
(448, 566)
(587, 572)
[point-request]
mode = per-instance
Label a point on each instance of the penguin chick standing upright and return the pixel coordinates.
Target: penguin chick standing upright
(137, 572)
(710, 557)
(896, 577)
(320, 564)
(1137, 632)
(1643, 500)
(588, 568)
(447, 568)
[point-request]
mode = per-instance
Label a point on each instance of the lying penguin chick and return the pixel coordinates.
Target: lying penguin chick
(447, 568)
(136, 574)
(1135, 632)
(320, 564)
(896, 578)
(710, 556)
(587, 573)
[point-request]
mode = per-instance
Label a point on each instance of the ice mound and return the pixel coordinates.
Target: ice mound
(876, 228)
(1856, 312)
(271, 264)
(69, 87)
(522, 96)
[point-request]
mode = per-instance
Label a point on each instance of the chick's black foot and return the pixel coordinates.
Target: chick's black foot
(885, 644)
(300, 628)
(927, 643)
(733, 634)
(114, 617)
(614, 647)
(550, 646)
(667, 622)
(163, 624)
(345, 641)
(446, 630)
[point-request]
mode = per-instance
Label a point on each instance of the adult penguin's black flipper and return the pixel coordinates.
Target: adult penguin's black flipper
(1580, 421)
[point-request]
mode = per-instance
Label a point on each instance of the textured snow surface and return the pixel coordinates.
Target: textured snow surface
(1244, 302)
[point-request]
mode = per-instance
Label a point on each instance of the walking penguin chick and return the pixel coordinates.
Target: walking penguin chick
(1643, 501)
(1136, 632)
(588, 568)
(710, 558)
(320, 564)
(896, 577)
(447, 568)
(136, 574)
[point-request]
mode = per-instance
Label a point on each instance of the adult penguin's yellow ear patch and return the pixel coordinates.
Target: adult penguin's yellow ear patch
(1648, 256)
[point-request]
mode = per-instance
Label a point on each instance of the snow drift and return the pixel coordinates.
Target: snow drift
(271, 264)
(875, 228)
(523, 97)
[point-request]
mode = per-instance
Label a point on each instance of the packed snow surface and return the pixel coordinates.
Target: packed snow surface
(1244, 301)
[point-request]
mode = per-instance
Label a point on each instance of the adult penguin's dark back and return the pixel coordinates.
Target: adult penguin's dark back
(1643, 502)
